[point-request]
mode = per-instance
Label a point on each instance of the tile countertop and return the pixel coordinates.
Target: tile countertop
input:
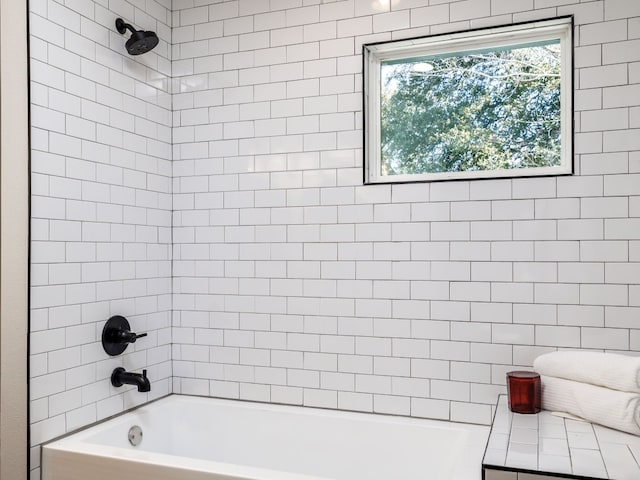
(550, 444)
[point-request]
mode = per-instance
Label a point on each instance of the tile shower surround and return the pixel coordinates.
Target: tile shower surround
(101, 209)
(295, 283)
(292, 282)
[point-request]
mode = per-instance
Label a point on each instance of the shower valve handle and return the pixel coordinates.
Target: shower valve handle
(117, 334)
(129, 337)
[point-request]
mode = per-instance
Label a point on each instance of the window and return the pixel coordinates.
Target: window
(495, 102)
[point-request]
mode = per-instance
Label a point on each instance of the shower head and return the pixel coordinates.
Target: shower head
(140, 41)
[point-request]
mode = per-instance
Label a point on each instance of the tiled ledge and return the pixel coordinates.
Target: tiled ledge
(537, 447)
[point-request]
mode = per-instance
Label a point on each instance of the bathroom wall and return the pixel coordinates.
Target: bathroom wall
(295, 283)
(101, 208)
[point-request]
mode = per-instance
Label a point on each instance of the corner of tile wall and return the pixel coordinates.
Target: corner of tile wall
(101, 136)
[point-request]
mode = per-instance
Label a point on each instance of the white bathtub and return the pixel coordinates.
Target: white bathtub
(192, 438)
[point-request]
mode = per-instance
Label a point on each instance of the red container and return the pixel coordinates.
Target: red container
(525, 392)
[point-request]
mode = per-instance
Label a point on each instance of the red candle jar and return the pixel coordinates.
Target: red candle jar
(525, 392)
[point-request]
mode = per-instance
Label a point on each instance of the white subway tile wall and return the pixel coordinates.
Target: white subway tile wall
(225, 168)
(294, 283)
(101, 209)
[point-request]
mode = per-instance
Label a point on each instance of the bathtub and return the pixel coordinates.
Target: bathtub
(194, 438)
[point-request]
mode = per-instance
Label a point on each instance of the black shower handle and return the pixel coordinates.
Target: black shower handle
(117, 334)
(128, 337)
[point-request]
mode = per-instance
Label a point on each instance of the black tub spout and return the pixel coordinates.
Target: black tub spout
(121, 377)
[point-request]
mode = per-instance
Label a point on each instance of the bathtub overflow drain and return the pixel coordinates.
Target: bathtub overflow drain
(135, 435)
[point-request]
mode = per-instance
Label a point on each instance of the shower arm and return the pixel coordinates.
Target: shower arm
(122, 27)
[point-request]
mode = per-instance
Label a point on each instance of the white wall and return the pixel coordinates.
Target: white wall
(101, 208)
(295, 283)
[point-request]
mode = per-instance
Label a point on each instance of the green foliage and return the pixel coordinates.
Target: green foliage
(475, 111)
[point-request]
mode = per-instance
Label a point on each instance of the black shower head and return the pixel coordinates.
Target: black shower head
(140, 41)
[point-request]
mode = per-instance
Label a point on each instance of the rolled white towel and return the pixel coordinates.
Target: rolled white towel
(611, 408)
(619, 372)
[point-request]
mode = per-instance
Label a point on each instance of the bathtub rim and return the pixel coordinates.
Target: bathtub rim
(262, 403)
(101, 421)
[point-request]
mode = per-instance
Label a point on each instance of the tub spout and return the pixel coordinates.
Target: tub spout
(121, 377)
